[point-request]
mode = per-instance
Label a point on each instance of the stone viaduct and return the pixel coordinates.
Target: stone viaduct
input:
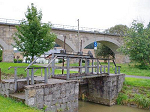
(72, 41)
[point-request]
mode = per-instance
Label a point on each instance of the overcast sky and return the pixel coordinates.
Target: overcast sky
(101, 14)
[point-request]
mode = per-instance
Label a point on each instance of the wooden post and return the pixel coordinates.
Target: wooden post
(0, 76)
(27, 76)
(108, 66)
(15, 79)
(45, 76)
(32, 76)
(97, 66)
(68, 68)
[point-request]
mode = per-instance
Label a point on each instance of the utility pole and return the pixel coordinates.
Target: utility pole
(64, 51)
(78, 37)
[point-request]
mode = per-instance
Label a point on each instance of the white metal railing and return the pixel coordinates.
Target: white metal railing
(59, 26)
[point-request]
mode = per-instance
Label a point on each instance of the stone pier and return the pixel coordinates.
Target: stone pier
(103, 90)
(57, 95)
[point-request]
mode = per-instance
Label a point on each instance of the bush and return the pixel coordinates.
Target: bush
(15, 60)
(83, 61)
(20, 60)
(60, 61)
(0, 59)
(1, 55)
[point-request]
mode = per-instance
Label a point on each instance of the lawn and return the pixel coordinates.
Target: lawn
(9, 105)
(21, 71)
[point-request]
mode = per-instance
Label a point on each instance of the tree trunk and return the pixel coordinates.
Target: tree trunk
(32, 58)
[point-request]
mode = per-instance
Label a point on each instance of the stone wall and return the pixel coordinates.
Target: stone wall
(8, 86)
(102, 90)
(60, 96)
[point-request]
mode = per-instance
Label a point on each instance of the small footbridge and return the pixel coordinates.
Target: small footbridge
(90, 78)
(88, 67)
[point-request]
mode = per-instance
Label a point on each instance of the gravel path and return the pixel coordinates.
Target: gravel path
(141, 77)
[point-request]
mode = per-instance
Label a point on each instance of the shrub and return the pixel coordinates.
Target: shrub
(20, 61)
(83, 61)
(15, 60)
(60, 61)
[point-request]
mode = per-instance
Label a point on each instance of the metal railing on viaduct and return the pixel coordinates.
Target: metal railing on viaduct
(59, 26)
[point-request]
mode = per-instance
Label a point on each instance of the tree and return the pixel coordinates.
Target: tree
(90, 46)
(104, 52)
(1, 55)
(120, 30)
(137, 44)
(33, 38)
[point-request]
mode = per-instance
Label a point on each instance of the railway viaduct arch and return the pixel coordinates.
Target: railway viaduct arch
(72, 43)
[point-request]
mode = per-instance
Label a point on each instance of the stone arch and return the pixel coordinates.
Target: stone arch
(3, 45)
(8, 53)
(111, 43)
(68, 44)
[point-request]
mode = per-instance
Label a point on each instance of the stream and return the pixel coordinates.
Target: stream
(92, 107)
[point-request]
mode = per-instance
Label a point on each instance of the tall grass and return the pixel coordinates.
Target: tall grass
(135, 92)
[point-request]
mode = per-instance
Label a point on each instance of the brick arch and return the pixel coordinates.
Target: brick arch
(3, 45)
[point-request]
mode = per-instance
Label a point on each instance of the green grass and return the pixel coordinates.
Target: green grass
(135, 92)
(21, 71)
(137, 82)
(9, 105)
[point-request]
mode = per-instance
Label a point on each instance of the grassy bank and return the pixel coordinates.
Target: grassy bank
(9, 105)
(135, 92)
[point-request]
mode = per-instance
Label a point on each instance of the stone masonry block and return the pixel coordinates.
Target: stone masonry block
(31, 93)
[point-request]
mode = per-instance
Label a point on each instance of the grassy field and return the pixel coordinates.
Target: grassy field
(9, 105)
(21, 71)
(135, 92)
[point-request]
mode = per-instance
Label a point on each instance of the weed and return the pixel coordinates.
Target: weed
(122, 99)
(142, 101)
